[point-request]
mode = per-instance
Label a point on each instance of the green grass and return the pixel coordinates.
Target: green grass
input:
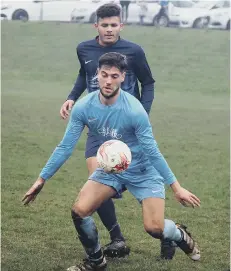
(190, 117)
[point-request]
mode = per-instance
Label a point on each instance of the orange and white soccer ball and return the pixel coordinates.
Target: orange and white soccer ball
(114, 156)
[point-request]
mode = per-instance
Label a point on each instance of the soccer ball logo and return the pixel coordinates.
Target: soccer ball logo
(114, 156)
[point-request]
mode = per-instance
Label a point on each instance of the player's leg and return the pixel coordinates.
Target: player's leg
(91, 196)
(117, 247)
(106, 211)
(165, 229)
(158, 16)
(154, 224)
(151, 193)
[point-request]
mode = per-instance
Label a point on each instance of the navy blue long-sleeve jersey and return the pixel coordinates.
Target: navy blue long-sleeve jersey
(90, 51)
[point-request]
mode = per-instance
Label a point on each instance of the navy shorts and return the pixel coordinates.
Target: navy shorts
(92, 145)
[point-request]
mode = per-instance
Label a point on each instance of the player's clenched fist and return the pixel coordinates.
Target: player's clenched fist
(33, 191)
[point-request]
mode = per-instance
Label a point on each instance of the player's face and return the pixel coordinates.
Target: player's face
(109, 30)
(110, 79)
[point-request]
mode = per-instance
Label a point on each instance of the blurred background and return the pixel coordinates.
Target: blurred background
(183, 14)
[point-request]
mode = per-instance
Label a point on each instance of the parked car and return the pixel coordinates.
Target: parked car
(86, 13)
(175, 8)
(168, 18)
(219, 16)
(152, 9)
(34, 10)
(20, 10)
(200, 15)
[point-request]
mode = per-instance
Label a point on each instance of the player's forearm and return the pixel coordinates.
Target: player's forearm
(57, 159)
(65, 148)
(146, 139)
(157, 159)
(163, 168)
(147, 96)
(78, 89)
(146, 79)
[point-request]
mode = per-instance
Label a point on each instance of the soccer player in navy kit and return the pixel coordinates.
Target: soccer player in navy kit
(88, 52)
(115, 110)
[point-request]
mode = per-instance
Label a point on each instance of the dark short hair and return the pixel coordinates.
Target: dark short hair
(108, 10)
(114, 59)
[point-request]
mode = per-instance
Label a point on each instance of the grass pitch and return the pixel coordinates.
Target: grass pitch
(190, 116)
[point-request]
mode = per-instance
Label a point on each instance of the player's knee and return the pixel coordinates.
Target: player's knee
(74, 215)
(154, 229)
(80, 210)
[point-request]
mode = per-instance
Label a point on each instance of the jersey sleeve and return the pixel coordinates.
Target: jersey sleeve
(144, 134)
(145, 77)
(65, 148)
(80, 84)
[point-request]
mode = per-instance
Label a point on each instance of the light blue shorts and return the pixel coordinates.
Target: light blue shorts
(141, 184)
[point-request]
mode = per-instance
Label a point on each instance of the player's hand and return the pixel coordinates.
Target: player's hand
(187, 198)
(66, 108)
(33, 191)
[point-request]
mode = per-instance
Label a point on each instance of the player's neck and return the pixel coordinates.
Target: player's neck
(101, 43)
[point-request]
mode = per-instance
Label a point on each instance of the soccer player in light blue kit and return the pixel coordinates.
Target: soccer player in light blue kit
(109, 26)
(114, 114)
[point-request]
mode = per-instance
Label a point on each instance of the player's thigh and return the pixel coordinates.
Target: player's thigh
(92, 164)
(91, 196)
(153, 214)
(150, 192)
(92, 145)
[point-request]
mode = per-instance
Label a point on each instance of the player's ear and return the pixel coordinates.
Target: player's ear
(97, 71)
(121, 26)
(95, 25)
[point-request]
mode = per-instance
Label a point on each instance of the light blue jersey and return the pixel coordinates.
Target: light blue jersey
(125, 120)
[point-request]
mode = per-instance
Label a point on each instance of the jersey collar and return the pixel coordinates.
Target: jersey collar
(117, 102)
(97, 41)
